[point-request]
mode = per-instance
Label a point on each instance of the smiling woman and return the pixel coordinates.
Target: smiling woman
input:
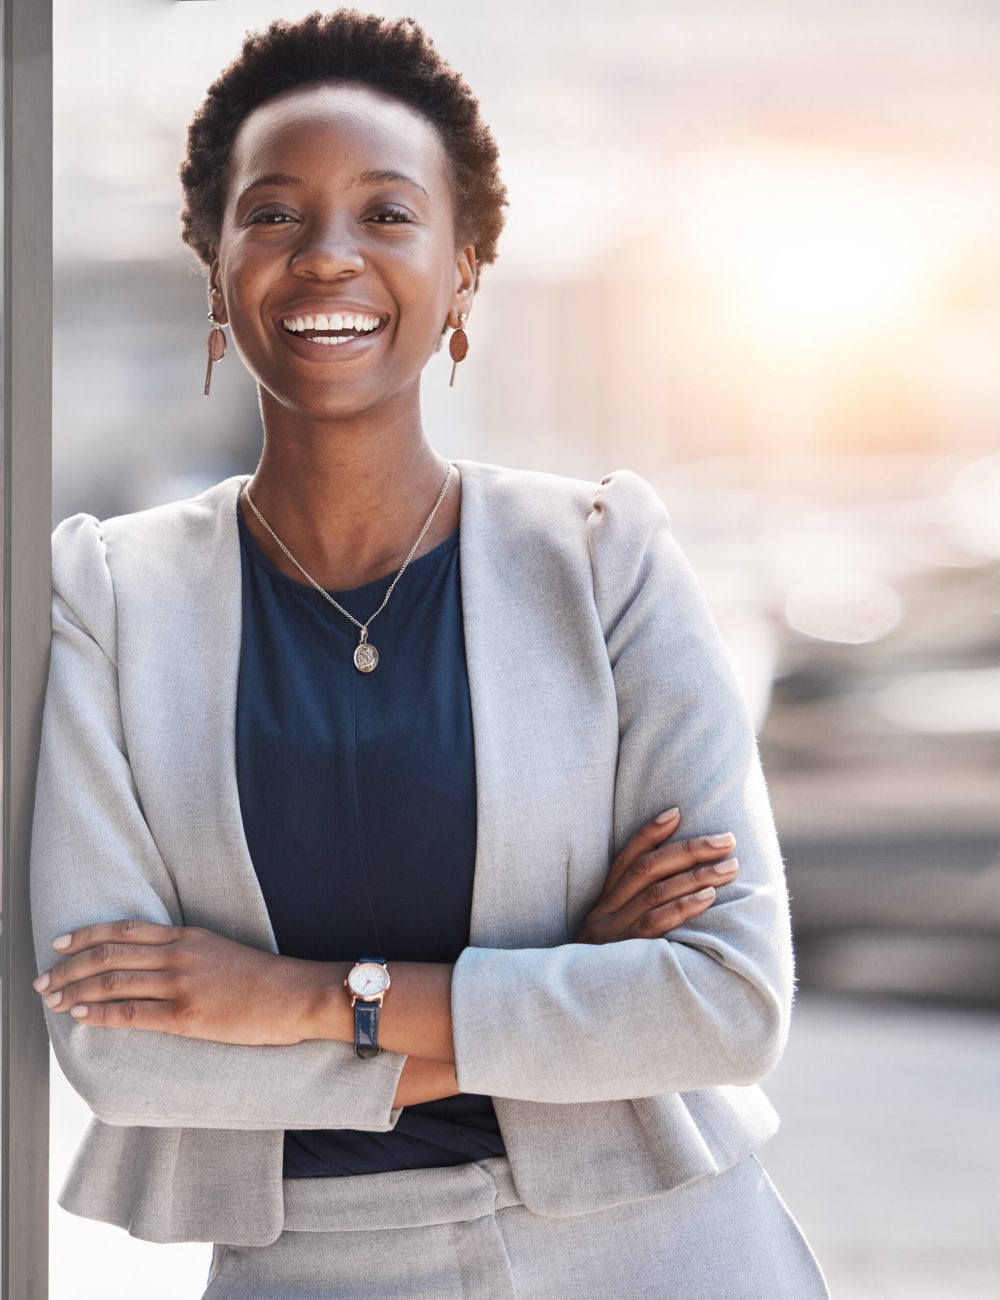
(381, 971)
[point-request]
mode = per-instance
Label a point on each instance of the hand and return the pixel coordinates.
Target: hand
(650, 891)
(183, 980)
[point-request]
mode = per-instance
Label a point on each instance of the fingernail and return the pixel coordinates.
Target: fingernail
(704, 893)
(42, 982)
(53, 999)
(63, 941)
(727, 867)
(667, 816)
(721, 841)
(78, 1011)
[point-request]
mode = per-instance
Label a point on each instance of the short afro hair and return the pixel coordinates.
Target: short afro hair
(395, 57)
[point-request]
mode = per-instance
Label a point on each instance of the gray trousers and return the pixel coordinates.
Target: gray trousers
(461, 1233)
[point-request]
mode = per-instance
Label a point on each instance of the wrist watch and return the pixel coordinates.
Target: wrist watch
(367, 981)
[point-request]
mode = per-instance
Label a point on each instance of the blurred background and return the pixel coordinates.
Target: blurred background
(752, 253)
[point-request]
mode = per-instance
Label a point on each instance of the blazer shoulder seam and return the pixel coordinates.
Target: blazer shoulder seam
(634, 507)
(80, 570)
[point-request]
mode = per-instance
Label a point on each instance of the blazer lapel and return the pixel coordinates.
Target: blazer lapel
(522, 853)
(184, 754)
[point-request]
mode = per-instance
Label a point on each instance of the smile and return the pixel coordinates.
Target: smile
(329, 345)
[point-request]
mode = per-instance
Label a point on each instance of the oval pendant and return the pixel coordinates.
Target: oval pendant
(217, 343)
(365, 656)
(458, 345)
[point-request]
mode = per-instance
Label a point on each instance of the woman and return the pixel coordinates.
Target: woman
(378, 1002)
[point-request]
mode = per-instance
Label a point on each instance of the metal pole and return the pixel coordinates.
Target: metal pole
(25, 575)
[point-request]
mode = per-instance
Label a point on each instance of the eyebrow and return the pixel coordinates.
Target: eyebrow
(372, 176)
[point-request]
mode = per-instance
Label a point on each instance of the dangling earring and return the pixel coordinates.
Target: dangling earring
(458, 345)
(216, 347)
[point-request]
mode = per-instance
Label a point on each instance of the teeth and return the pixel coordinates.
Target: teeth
(336, 321)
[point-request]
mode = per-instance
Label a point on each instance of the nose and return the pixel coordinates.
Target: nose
(328, 247)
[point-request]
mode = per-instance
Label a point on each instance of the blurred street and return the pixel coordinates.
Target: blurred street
(889, 1146)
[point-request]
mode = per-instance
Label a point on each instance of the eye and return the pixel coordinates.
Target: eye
(400, 213)
(257, 217)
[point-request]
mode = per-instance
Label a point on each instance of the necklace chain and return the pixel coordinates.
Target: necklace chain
(365, 654)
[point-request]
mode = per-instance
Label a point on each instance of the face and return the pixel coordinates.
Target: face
(356, 216)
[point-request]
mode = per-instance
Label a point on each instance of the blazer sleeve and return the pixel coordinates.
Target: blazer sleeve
(93, 855)
(708, 1003)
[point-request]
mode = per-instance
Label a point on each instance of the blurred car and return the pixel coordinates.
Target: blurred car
(881, 732)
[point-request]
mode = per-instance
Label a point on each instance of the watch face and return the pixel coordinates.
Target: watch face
(368, 980)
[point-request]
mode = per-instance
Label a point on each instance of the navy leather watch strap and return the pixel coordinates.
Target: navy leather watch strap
(366, 1029)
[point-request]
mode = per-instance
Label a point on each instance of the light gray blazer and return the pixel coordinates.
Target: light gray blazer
(601, 695)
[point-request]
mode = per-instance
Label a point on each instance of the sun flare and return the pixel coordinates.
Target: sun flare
(811, 248)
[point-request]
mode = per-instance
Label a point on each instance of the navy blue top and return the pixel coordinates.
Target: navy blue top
(358, 795)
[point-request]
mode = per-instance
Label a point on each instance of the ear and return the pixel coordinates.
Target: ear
(465, 285)
(216, 302)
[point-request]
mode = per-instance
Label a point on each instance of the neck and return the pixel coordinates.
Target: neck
(350, 509)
